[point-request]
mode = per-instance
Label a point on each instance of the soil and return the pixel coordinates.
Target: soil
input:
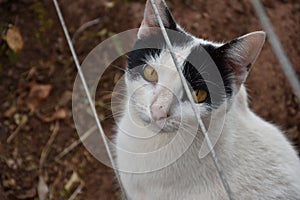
(36, 83)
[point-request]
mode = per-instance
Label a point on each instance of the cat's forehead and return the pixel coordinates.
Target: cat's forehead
(153, 49)
(164, 58)
(182, 51)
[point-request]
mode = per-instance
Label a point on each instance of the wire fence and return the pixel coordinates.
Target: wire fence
(87, 92)
(285, 64)
(192, 103)
(277, 48)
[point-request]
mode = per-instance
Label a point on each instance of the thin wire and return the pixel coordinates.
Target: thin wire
(185, 85)
(277, 47)
(86, 89)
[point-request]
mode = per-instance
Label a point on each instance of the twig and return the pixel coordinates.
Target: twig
(77, 191)
(46, 149)
(83, 27)
(21, 125)
(42, 187)
(75, 144)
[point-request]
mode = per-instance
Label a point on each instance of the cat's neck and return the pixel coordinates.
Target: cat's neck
(220, 129)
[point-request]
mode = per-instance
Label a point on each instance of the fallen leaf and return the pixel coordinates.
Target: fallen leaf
(103, 32)
(20, 119)
(11, 163)
(37, 93)
(13, 38)
(110, 4)
(59, 114)
(42, 189)
(74, 179)
(40, 91)
(10, 183)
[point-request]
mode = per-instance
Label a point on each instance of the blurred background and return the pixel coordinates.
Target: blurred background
(37, 73)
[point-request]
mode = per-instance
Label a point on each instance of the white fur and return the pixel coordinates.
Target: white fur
(258, 162)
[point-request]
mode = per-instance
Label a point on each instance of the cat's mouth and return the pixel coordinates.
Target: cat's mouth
(165, 125)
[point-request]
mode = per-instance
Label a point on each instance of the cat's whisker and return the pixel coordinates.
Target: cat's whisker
(187, 128)
(115, 94)
(119, 68)
(113, 116)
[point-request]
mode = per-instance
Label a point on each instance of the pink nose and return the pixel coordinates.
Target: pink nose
(158, 112)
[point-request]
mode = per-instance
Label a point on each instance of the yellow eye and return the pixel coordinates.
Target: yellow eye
(199, 95)
(150, 73)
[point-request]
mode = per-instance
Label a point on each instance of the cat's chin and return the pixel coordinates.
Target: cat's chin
(160, 127)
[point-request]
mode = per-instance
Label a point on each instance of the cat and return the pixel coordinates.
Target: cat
(157, 137)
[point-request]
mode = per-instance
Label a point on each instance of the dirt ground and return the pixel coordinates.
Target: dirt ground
(36, 83)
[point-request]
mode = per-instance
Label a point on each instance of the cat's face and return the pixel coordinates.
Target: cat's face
(214, 72)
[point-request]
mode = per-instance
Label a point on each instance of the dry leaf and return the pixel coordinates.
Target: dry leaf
(11, 163)
(13, 38)
(42, 189)
(20, 119)
(74, 179)
(110, 4)
(59, 114)
(10, 183)
(40, 91)
(37, 93)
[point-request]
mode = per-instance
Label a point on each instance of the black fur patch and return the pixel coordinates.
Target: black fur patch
(170, 18)
(220, 61)
(200, 73)
(152, 46)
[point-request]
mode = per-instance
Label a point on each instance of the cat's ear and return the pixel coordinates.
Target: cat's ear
(241, 53)
(150, 20)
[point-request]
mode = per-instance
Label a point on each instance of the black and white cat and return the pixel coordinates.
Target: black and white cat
(158, 138)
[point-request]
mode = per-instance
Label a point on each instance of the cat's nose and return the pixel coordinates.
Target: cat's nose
(160, 107)
(158, 112)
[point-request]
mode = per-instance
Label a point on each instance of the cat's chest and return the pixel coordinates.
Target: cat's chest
(169, 186)
(186, 178)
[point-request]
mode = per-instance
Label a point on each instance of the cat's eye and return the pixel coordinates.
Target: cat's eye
(150, 74)
(200, 95)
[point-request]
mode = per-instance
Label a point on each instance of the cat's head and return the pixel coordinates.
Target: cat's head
(215, 72)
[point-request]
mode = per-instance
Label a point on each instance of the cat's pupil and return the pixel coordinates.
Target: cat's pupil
(200, 96)
(150, 74)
